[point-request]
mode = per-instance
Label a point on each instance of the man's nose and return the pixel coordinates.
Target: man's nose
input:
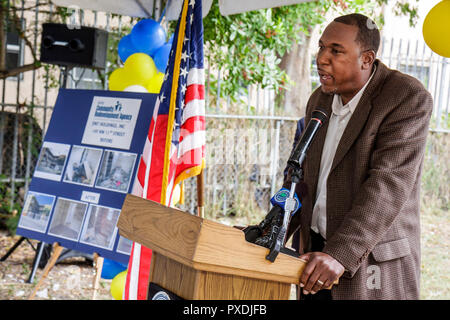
(322, 57)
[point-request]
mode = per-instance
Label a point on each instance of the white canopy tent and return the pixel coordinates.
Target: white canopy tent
(144, 8)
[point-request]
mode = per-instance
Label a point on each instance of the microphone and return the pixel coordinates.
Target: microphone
(318, 118)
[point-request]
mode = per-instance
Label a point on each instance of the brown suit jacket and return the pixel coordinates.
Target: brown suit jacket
(373, 226)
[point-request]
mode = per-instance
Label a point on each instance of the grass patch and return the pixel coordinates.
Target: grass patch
(435, 218)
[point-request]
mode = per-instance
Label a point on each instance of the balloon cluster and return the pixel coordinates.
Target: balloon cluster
(118, 273)
(145, 54)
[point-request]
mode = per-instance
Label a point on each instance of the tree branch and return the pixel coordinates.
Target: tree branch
(14, 72)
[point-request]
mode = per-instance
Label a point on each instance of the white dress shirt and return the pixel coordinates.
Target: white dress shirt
(338, 121)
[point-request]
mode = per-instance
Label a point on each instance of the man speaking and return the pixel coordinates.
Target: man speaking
(360, 214)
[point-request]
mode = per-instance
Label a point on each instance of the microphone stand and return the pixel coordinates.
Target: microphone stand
(278, 244)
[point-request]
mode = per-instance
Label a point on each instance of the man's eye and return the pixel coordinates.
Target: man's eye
(334, 51)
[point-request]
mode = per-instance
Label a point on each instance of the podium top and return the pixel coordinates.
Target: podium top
(202, 244)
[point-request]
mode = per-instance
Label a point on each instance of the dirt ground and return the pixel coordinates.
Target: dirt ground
(71, 279)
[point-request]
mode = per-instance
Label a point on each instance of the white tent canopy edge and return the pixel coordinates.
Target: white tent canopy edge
(144, 8)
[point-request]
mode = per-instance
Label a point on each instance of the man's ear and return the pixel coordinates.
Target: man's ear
(367, 59)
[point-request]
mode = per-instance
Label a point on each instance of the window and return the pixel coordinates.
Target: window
(84, 78)
(14, 49)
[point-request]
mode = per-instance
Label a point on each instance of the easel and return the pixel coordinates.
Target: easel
(14, 247)
(98, 264)
(57, 249)
(37, 257)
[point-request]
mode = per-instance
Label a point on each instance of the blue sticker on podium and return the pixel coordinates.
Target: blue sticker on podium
(86, 166)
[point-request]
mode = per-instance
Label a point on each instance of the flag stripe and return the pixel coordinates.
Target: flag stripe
(193, 156)
(192, 141)
(195, 91)
(193, 108)
(196, 76)
(191, 125)
(144, 274)
(133, 272)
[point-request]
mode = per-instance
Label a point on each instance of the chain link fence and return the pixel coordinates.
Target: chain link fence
(245, 160)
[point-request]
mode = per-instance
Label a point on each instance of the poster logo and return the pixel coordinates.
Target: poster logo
(111, 122)
(112, 112)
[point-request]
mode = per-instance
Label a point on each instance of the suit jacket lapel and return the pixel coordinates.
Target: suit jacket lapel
(360, 115)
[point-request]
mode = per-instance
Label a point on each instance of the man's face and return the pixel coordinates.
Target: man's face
(339, 61)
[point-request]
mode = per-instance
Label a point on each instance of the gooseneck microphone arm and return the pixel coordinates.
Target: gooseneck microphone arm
(295, 161)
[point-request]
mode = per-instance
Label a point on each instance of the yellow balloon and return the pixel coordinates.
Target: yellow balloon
(140, 68)
(436, 29)
(118, 80)
(118, 285)
(155, 83)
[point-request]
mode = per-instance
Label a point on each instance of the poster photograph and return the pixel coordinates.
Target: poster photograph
(51, 161)
(99, 229)
(115, 171)
(36, 211)
(82, 165)
(124, 245)
(67, 219)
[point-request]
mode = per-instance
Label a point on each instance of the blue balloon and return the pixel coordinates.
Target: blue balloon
(125, 48)
(111, 268)
(161, 57)
(147, 36)
(171, 38)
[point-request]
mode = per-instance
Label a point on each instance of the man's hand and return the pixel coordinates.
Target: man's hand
(320, 272)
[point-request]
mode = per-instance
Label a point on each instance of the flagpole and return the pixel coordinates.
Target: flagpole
(200, 197)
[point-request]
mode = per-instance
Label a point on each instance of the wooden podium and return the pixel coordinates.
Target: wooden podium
(199, 259)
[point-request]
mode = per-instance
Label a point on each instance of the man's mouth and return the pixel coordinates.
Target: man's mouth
(325, 77)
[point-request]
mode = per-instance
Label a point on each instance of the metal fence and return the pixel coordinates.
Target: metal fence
(246, 154)
(246, 157)
(416, 59)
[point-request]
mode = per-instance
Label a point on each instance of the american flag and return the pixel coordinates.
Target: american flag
(175, 145)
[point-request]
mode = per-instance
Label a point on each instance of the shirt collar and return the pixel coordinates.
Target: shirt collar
(340, 109)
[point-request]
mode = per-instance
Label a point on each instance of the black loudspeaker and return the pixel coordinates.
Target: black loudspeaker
(81, 46)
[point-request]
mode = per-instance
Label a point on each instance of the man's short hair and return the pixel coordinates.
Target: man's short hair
(368, 34)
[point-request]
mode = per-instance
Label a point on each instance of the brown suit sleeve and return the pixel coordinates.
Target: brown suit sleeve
(394, 167)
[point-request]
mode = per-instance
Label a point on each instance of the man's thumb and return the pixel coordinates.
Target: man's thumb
(306, 256)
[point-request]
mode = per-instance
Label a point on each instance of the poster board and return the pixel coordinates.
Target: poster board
(86, 166)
